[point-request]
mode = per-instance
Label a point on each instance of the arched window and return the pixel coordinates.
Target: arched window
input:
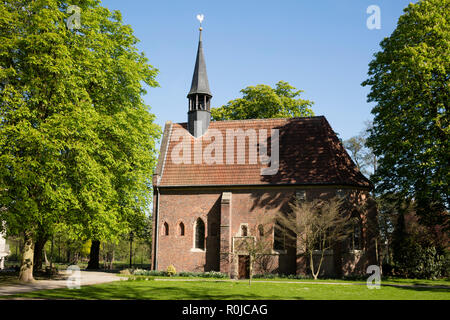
(244, 230)
(355, 238)
(200, 234)
(181, 228)
(261, 230)
(165, 229)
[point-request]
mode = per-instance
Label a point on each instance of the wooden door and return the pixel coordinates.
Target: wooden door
(244, 267)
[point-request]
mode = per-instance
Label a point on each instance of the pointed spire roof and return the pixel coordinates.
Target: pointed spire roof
(200, 82)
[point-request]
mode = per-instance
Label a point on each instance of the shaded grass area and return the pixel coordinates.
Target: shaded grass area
(386, 280)
(237, 290)
(10, 278)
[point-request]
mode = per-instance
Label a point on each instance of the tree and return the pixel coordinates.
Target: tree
(355, 145)
(315, 225)
(362, 155)
(262, 101)
(408, 81)
(77, 143)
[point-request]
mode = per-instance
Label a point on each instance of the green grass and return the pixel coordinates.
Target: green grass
(387, 280)
(11, 278)
(239, 290)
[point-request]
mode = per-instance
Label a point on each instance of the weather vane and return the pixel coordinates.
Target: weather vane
(200, 18)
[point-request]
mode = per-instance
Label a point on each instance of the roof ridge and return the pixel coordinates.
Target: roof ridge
(265, 119)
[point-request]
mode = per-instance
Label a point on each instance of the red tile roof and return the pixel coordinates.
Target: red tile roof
(309, 153)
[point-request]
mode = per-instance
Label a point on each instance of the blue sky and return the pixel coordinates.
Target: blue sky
(321, 47)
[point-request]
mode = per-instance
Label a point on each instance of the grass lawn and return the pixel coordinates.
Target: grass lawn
(12, 278)
(239, 290)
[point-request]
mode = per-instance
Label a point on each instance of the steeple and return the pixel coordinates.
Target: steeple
(200, 95)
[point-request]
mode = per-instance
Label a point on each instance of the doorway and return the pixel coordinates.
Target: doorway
(244, 267)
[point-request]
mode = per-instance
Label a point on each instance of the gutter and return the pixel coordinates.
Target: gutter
(155, 259)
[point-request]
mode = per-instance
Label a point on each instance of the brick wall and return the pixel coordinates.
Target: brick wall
(248, 206)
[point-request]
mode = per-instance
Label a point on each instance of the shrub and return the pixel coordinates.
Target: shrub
(281, 276)
(171, 271)
(125, 272)
(140, 278)
(429, 265)
(446, 265)
(154, 273)
(209, 274)
(265, 276)
(420, 262)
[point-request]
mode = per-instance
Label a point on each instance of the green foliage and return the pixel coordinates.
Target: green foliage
(155, 273)
(77, 142)
(125, 272)
(409, 82)
(281, 276)
(415, 261)
(262, 101)
(209, 274)
(171, 271)
(414, 255)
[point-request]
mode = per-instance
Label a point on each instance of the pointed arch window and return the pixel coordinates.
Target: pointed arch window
(199, 234)
(165, 229)
(181, 229)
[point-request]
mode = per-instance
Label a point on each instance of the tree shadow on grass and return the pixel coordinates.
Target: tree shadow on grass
(143, 290)
(422, 288)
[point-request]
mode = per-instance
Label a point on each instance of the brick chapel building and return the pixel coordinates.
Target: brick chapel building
(209, 191)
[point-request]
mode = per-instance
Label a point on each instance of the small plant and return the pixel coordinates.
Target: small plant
(209, 274)
(171, 271)
(125, 272)
(155, 273)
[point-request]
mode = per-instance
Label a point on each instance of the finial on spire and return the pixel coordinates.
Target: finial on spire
(200, 18)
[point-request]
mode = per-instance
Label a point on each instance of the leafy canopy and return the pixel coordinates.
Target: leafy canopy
(77, 142)
(409, 82)
(262, 101)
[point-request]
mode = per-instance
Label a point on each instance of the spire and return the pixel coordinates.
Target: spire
(200, 82)
(199, 96)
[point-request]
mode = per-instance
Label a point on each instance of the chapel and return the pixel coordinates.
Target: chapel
(217, 181)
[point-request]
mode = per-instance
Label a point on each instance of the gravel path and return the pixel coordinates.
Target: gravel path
(87, 278)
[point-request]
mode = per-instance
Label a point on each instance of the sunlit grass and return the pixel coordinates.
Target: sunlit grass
(240, 290)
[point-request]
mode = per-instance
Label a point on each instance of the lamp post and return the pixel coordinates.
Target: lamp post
(131, 248)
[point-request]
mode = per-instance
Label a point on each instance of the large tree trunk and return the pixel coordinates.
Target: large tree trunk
(38, 252)
(26, 268)
(94, 256)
